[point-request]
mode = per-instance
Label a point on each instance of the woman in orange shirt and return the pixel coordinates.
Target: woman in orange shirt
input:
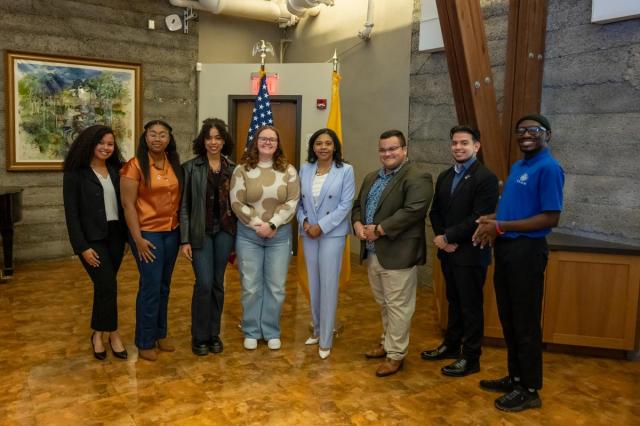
(150, 190)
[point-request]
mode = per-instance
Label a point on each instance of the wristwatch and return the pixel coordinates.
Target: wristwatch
(272, 225)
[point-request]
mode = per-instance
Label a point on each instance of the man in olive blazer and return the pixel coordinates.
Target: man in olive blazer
(388, 217)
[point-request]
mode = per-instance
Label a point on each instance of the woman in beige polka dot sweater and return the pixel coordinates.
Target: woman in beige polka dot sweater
(265, 190)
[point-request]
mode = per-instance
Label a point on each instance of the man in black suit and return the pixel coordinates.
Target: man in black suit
(463, 193)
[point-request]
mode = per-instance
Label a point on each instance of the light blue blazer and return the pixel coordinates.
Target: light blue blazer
(334, 204)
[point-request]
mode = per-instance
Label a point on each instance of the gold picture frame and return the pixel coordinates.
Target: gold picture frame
(50, 99)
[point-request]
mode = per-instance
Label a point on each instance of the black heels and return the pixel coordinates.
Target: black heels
(122, 354)
(99, 355)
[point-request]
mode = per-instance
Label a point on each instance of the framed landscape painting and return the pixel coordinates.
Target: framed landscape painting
(51, 99)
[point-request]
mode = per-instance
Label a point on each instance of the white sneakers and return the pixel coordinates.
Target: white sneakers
(274, 344)
(252, 344)
(324, 353)
(312, 341)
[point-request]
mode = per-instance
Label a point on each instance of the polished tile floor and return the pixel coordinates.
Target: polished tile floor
(49, 377)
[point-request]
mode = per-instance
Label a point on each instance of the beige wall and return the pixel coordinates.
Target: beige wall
(229, 40)
(311, 81)
(375, 74)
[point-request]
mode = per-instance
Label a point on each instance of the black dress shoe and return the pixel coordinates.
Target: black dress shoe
(99, 355)
(518, 399)
(200, 348)
(462, 367)
(122, 354)
(215, 345)
(441, 352)
(504, 385)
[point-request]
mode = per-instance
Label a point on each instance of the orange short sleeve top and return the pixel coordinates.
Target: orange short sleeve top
(158, 203)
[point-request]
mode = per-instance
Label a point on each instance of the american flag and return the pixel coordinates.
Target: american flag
(262, 114)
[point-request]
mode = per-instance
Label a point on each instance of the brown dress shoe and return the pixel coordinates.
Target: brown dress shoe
(378, 352)
(165, 345)
(389, 367)
(148, 354)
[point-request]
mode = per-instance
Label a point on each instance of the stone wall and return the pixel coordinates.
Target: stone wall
(105, 29)
(591, 88)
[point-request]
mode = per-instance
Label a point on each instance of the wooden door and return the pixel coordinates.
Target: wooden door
(286, 118)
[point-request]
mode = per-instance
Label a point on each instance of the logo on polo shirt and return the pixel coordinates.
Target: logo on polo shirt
(522, 180)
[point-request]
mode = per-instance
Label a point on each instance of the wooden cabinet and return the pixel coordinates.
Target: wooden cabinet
(591, 295)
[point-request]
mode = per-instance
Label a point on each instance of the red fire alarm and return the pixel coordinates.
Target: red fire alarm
(321, 103)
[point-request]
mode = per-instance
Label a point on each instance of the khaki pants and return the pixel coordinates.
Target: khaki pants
(395, 292)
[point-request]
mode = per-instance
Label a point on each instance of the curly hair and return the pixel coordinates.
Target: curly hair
(198, 143)
(250, 157)
(81, 150)
(337, 147)
(142, 152)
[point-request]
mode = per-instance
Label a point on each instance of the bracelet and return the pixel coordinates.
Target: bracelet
(498, 229)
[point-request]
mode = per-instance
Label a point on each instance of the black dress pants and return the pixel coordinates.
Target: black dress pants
(104, 277)
(464, 294)
(519, 285)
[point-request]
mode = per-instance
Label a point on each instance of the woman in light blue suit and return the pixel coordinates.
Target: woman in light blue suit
(327, 189)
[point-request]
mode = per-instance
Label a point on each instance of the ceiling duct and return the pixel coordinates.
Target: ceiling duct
(261, 10)
(300, 7)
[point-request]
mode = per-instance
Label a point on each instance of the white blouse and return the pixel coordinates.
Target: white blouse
(110, 199)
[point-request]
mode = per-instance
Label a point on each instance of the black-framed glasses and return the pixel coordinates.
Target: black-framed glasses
(534, 131)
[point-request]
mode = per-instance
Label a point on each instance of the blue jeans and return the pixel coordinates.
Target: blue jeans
(153, 292)
(263, 265)
(209, 264)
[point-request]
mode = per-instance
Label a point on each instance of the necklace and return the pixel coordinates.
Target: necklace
(324, 171)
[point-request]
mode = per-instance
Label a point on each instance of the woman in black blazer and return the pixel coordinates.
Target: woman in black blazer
(95, 223)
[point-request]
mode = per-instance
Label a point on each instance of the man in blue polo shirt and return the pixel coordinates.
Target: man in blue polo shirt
(527, 211)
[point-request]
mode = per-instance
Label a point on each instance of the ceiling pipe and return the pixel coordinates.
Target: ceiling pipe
(302, 7)
(365, 34)
(268, 11)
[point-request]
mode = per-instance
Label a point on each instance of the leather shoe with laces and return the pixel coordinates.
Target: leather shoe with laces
(441, 352)
(377, 352)
(518, 399)
(504, 384)
(389, 367)
(215, 345)
(461, 367)
(200, 348)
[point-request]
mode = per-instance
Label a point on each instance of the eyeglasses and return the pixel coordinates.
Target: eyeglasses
(264, 139)
(389, 150)
(533, 131)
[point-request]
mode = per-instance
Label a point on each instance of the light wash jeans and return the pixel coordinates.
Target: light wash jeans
(263, 265)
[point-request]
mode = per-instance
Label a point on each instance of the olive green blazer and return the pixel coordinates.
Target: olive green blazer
(401, 213)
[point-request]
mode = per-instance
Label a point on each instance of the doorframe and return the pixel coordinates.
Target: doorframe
(233, 109)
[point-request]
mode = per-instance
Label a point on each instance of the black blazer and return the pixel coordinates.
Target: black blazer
(454, 215)
(84, 208)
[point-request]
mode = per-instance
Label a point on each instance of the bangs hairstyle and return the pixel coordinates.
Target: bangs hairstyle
(250, 157)
(199, 147)
(81, 150)
(475, 133)
(142, 152)
(337, 147)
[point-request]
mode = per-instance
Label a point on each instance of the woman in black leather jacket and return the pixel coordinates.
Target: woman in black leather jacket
(91, 191)
(207, 230)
